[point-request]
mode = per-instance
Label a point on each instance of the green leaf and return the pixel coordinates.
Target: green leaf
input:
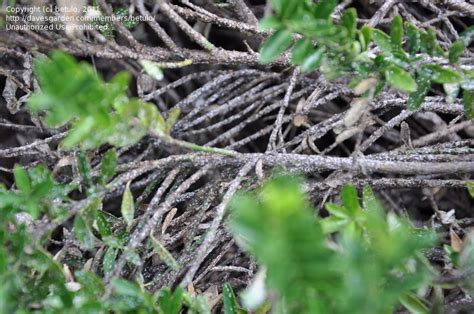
(285, 8)
(470, 188)
(443, 75)
(173, 116)
(275, 45)
(128, 208)
(230, 301)
(109, 260)
(133, 257)
(429, 43)
(90, 282)
(456, 51)
(164, 254)
(413, 304)
(414, 39)
(84, 168)
(396, 33)
(415, 99)
(467, 36)
(153, 69)
(400, 79)
(79, 132)
(334, 224)
(323, 9)
(83, 232)
(349, 198)
(126, 288)
(102, 224)
(109, 163)
(313, 61)
(269, 23)
(336, 210)
(451, 91)
(382, 40)
(301, 50)
(170, 302)
(22, 180)
(365, 36)
(349, 21)
(468, 102)
(370, 201)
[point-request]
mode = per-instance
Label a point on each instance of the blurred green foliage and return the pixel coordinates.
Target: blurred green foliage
(98, 112)
(357, 260)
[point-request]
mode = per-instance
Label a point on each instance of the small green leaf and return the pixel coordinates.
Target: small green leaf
(349, 21)
(109, 260)
(456, 51)
(313, 61)
(275, 45)
(413, 304)
(22, 180)
(443, 75)
(164, 254)
(125, 287)
(109, 163)
(79, 132)
(230, 301)
(370, 201)
(90, 282)
(102, 224)
(173, 116)
(382, 40)
(133, 257)
(337, 210)
(269, 23)
(128, 208)
(285, 8)
(83, 232)
(333, 224)
(349, 198)
(467, 36)
(153, 69)
(365, 36)
(396, 33)
(400, 79)
(470, 188)
(170, 302)
(414, 38)
(452, 91)
(429, 43)
(301, 50)
(84, 168)
(423, 82)
(468, 102)
(323, 9)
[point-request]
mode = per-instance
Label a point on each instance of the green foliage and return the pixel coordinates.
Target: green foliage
(98, 112)
(32, 280)
(38, 193)
(338, 49)
(164, 254)
(128, 208)
(357, 260)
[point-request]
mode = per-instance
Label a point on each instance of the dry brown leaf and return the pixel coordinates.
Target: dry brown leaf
(168, 219)
(456, 242)
(365, 85)
(357, 109)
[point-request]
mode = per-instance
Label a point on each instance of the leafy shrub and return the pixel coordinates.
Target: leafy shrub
(99, 112)
(341, 48)
(357, 260)
(35, 281)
